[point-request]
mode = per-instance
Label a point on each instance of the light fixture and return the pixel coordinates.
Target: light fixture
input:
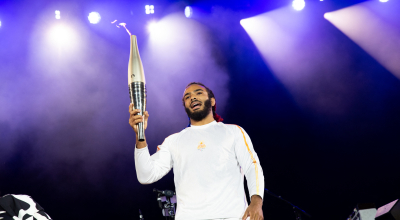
(188, 11)
(298, 5)
(58, 14)
(94, 17)
(149, 9)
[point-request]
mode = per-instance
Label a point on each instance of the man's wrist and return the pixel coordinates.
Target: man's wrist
(256, 199)
(140, 144)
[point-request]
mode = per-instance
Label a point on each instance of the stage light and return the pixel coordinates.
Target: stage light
(383, 0)
(0, 23)
(298, 5)
(58, 14)
(246, 23)
(149, 9)
(61, 35)
(188, 11)
(94, 17)
(152, 27)
(327, 16)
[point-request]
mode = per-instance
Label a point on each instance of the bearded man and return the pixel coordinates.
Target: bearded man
(208, 158)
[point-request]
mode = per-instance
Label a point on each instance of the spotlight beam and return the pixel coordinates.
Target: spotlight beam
(376, 36)
(297, 55)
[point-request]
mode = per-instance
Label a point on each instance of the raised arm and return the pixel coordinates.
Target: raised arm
(149, 169)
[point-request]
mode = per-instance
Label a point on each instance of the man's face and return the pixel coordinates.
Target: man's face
(197, 103)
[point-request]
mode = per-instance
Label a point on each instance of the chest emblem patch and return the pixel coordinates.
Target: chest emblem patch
(201, 146)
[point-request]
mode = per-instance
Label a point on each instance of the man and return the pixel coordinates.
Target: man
(208, 159)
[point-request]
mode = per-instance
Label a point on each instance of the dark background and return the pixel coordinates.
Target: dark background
(64, 133)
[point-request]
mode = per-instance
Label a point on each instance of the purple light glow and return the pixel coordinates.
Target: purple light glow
(71, 107)
(375, 31)
(183, 53)
(71, 93)
(305, 60)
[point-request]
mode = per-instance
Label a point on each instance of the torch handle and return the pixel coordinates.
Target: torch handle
(137, 92)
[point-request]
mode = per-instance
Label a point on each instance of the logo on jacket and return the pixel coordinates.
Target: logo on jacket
(201, 146)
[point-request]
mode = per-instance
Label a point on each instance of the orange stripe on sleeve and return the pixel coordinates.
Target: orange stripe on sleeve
(252, 157)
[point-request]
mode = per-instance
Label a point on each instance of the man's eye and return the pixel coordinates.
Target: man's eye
(186, 97)
(199, 93)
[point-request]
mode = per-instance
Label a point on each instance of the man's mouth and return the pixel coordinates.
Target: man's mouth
(195, 105)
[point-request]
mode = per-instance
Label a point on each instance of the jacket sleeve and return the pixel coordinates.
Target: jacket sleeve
(249, 162)
(150, 169)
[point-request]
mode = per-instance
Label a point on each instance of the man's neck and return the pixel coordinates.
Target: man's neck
(206, 120)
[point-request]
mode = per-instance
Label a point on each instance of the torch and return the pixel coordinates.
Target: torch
(137, 83)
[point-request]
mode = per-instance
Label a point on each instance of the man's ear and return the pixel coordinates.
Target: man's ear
(212, 101)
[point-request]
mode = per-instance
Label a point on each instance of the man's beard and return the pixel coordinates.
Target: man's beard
(200, 114)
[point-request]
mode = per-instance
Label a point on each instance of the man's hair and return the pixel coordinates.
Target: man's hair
(210, 95)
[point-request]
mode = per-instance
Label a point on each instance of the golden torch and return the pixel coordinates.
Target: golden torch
(137, 83)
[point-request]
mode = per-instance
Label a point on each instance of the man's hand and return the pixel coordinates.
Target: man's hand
(135, 119)
(254, 211)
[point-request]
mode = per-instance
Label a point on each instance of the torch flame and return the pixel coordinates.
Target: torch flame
(124, 25)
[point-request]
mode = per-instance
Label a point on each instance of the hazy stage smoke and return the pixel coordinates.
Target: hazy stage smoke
(180, 51)
(65, 104)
